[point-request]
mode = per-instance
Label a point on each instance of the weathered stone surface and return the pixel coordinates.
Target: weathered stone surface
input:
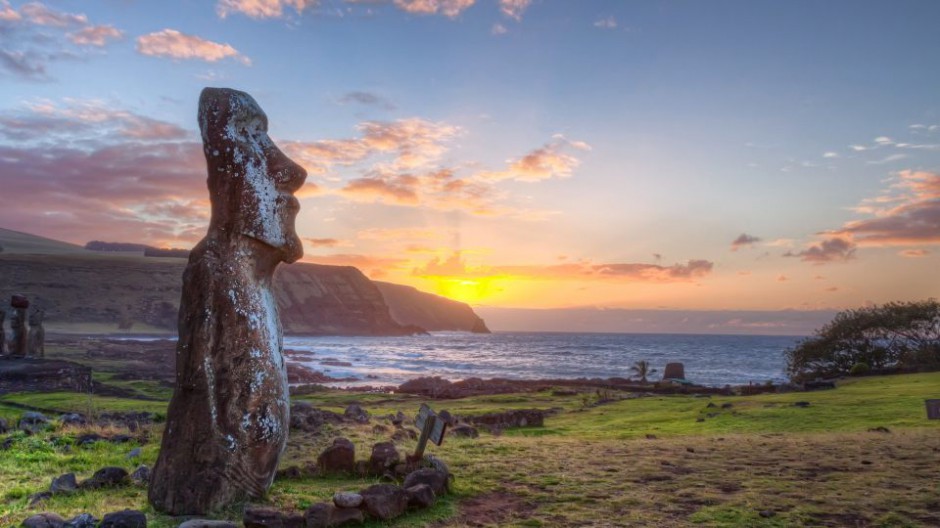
(464, 431)
(38, 497)
(35, 342)
(437, 480)
(448, 418)
(82, 520)
(356, 413)
(268, 518)
(44, 520)
(384, 501)
(64, 484)
(420, 496)
(4, 425)
(338, 458)
(124, 519)
(513, 418)
(325, 515)
(384, 457)
(346, 517)
(3, 333)
(227, 423)
(33, 422)
(106, 477)
(72, 420)
(18, 334)
(347, 499)
(674, 371)
(207, 523)
(305, 417)
(141, 475)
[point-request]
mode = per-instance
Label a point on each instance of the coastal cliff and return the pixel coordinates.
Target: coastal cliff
(429, 311)
(99, 292)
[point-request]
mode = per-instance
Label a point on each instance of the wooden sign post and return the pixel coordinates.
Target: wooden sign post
(432, 428)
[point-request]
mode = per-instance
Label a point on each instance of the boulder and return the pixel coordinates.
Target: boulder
(325, 515)
(384, 501)
(347, 499)
(106, 477)
(356, 413)
(338, 458)
(73, 420)
(33, 422)
(305, 417)
(44, 520)
(420, 496)
(4, 426)
(384, 457)
(264, 518)
(82, 520)
(674, 371)
(346, 516)
(447, 418)
(207, 523)
(228, 419)
(63, 484)
(398, 419)
(141, 475)
(434, 478)
(124, 519)
(88, 439)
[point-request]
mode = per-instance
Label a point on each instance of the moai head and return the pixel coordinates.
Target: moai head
(19, 301)
(251, 181)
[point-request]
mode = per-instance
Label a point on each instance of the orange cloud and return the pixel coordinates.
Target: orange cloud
(744, 240)
(392, 189)
(907, 212)
(549, 161)
(95, 35)
(261, 8)
(39, 14)
(173, 44)
(913, 253)
(323, 242)
(831, 250)
(448, 8)
(514, 8)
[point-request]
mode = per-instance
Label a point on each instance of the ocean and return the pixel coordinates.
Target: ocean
(714, 360)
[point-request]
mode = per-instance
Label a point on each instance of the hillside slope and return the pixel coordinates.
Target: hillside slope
(429, 311)
(91, 292)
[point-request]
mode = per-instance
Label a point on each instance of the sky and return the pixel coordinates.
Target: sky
(534, 154)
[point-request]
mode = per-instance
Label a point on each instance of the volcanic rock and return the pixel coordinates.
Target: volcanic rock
(64, 484)
(384, 501)
(106, 477)
(420, 496)
(434, 478)
(338, 458)
(44, 520)
(124, 519)
(384, 457)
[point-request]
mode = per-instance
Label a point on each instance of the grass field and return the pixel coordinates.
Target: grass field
(634, 461)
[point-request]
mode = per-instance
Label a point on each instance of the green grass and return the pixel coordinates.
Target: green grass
(813, 466)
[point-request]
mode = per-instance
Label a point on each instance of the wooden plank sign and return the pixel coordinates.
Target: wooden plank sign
(437, 431)
(424, 413)
(432, 428)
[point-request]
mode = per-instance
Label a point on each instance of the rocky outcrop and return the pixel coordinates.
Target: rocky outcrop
(409, 305)
(227, 422)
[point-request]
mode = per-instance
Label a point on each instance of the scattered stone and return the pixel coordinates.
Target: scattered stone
(356, 413)
(305, 417)
(434, 478)
(507, 419)
(650, 436)
(447, 418)
(88, 439)
(384, 501)
(44, 520)
(347, 499)
(700, 419)
(767, 514)
(879, 429)
(711, 405)
(133, 453)
(325, 515)
(227, 423)
(4, 425)
(384, 457)
(338, 458)
(36, 498)
(106, 477)
(727, 405)
(405, 433)
(420, 496)
(7, 443)
(802, 404)
(63, 484)
(263, 518)
(141, 475)
(120, 439)
(124, 519)
(33, 422)
(207, 523)
(464, 431)
(379, 429)
(73, 420)
(438, 464)
(82, 520)
(346, 516)
(398, 419)
(290, 472)
(690, 449)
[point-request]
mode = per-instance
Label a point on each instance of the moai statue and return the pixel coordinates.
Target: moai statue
(228, 420)
(37, 334)
(18, 335)
(3, 333)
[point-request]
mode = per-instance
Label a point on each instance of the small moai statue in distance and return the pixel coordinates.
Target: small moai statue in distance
(3, 333)
(37, 334)
(18, 333)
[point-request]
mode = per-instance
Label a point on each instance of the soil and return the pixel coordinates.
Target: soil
(491, 509)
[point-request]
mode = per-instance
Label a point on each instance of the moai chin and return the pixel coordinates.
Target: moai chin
(36, 342)
(227, 423)
(18, 333)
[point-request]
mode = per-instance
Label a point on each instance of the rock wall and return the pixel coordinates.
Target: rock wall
(429, 311)
(107, 292)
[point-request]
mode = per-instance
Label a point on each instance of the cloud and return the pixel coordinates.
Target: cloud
(454, 266)
(261, 8)
(448, 8)
(96, 120)
(914, 253)
(907, 212)
(323, 242)
(173, 44)
(887, 159)
(514, 8)
(395, 189)
(498, 29)
(830, 250)
(743, 240)
(41, 15)
(831, 155)
(95, 35)
(366, 98)
(606, 23)
(549, 161)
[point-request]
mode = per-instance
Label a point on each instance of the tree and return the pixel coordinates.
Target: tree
(893, 336)
(642, 369)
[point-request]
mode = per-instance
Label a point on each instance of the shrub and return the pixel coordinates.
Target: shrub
(859, 369)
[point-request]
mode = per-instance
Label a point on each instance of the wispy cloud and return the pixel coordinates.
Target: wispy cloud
(498, 29)
(914, 253)
(744, 240)
(608, 22)
(552, 160)
(514, 8)
(261, 8)
(367, 99)
(448, 8)
(95, 35)
(830, 250)
(176, 45)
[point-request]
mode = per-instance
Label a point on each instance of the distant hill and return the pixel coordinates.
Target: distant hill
(91, 292)
(429, 311)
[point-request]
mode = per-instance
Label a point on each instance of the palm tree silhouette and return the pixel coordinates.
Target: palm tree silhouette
(642, 369)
